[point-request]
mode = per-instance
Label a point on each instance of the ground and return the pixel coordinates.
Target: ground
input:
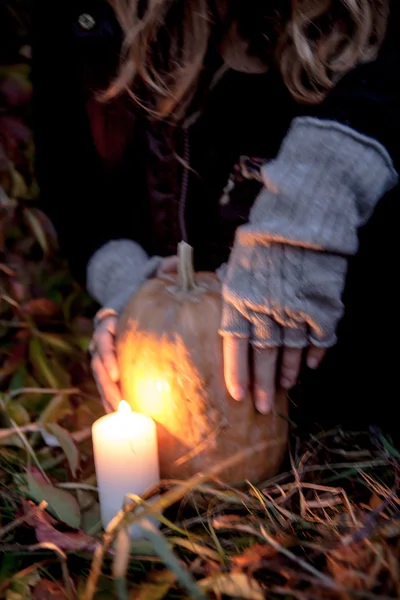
(328, 526)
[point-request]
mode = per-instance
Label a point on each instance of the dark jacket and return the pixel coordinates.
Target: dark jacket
(106, 173)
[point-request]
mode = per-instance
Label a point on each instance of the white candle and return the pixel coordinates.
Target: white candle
(126, 458)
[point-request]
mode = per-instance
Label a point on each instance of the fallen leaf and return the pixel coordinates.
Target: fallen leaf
(57, 342)
(156, 587)
(346, 563)
(15, 359)
(58, 408)
(17, 413)
(12, 440)
(20, 189)
(48, 590)
(64, 439)
(255, 554)
(61, 504)
(37, 229)
(41, 364)
(41, 307)
(91, 519)
(236, 585)
(45, 527)
(196, 548)
(20, 586)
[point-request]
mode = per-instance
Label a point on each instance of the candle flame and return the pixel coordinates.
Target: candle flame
(124, 409)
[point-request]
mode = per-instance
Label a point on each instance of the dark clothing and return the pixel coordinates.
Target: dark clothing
(106, 172)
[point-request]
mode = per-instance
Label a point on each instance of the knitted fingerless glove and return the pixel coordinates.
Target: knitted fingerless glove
(287, 269)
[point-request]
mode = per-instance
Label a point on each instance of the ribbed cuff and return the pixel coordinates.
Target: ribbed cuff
(323, 185)
(117, 270)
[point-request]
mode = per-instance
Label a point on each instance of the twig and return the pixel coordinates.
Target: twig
(78, 436)
(379, 462)
(297, 478)
(17, 522)
(10, 431)
(7, 270)
(77, 486)
(5, 323)
(34, 390)
(328, 582)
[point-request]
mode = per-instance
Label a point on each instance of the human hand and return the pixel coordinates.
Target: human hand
(102, 347)
(283, 300)
(270, 368)
(287, 269)
(104, 362)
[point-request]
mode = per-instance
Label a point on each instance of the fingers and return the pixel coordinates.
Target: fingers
(264, 368)
(290, 367)
(315, 356)
(104, 341)
(108, 389)
(168, 265)
(236, 365)
(104, 363)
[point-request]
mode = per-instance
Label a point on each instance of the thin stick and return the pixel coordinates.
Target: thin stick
(34, 390)
(17, 522)
(378, 462)
(78, 436)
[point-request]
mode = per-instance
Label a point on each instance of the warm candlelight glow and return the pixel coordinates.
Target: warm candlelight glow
(153, 396)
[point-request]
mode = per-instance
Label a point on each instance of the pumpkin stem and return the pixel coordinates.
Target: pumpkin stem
(185, 267)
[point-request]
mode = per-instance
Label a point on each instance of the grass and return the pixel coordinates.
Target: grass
(328, 527)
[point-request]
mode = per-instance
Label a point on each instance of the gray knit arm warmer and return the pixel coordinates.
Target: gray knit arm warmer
(287, 269)
(117, 270)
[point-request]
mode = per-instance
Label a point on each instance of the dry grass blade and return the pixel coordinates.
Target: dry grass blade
(166, 500)
(197, 548)
(121, 562)
(44, 390)
(69, 588)
(164, 551)
(324, 579)
(29, 449)
(324, 529)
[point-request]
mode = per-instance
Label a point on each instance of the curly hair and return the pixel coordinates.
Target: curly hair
(165, 43)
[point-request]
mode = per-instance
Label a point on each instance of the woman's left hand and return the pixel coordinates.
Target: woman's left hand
(270, 369)
(286, 274)
(286, 302)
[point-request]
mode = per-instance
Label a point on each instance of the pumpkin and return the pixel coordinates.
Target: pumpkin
(170, 358)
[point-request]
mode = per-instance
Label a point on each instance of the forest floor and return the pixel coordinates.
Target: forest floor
(329, 527)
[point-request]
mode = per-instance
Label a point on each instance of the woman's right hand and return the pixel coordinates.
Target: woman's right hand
(104, 362)
(102, 347)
